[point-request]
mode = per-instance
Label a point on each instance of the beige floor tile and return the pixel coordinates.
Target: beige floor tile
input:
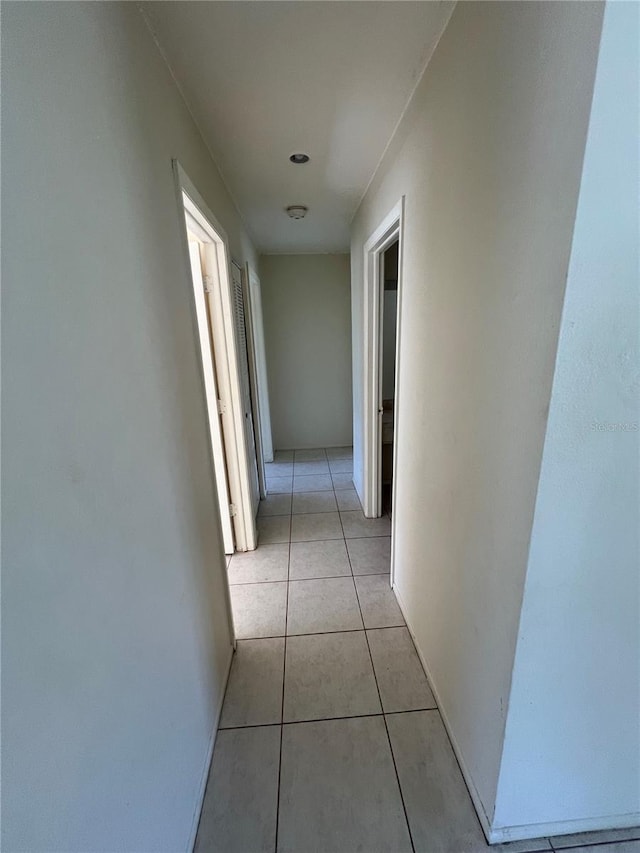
(439, 809)
(254, 691)
(314, 455)
(273, 529)
(304, 502)
(241, 800)
(320, 466)
(615, 847)
(339, 791)
(377, 601)
(348, 500)
(401, 680)
(339, 453)
(266, 563)
(356, 526)
(279, 485)
(312, 483)
(342, 481)
(316, 606)
(275, 505)
(371, 556)
(278, 469)
(315, 525)
(341, 466)
(323, 559)
(259, 609)
(329, 675)
(588, 839)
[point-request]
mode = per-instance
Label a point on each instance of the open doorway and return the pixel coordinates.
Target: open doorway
(253, 292)
(248, 387)
(383, 294)
(223, 356)
(389, 319)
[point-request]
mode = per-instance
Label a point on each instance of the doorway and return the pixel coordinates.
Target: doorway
(389, 318)
(248, 387)
(253, 293)
(382, 249)
(383, 253)
(223, 357)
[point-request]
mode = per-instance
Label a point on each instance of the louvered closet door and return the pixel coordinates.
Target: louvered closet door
(243, 359)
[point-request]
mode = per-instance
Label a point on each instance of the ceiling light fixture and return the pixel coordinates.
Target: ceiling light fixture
(298, 159)
(297, 211)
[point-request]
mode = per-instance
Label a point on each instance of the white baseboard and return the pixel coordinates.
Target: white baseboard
(207, 762)
(501, 835)
(473, 793)
(564, 827)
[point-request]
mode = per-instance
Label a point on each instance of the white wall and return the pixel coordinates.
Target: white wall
(307, 319)
(572, 748)
(489, 158)
(115, 631)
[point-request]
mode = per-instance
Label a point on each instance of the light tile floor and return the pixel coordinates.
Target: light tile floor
(330, 740)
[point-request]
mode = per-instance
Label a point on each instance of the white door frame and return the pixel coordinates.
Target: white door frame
(257, 325)
(254, 379)
(237, 272)
(388, 231)
(212, 397)
(217, 259)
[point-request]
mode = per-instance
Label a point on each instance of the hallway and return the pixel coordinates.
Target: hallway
(497, 142)
(330, 739)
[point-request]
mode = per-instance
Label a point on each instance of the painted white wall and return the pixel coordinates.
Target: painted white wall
(572, 747)
(307, 319)
(488, 157)
(115, 633)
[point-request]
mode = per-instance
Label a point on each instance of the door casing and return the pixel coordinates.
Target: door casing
(247, 383)
(390, 229)
(217, 261)
(257, 337)
(211, 393)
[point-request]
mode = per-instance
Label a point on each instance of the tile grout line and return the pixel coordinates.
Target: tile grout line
(326, 538)
(319, 633)
(322, 578)
(284, 667)
(375, 678)
(327, 719)
(293, 491)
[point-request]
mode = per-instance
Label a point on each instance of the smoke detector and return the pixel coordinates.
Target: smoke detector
(297, 211)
